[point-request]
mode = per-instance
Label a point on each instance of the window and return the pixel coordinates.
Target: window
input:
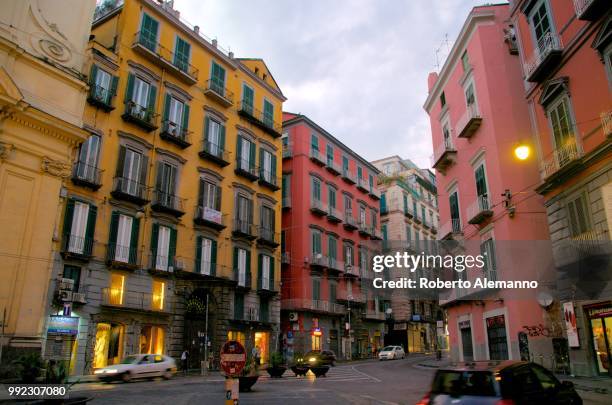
(242, 267)
(163, 247)
(176, 117)
(562, 124)
(158, 295)
(214, 137)
(348, 255)
(131, 171)
(206, 256)
(487, 249)
(540, 24)
(267, 164)
(267, 222)
(140, 98)
(248, 96)
(74, 274)
(87, 165)
(388, 169)
(332, 248)
(384, 232)
(266, 272)
(165, 185)
(446, 133)
(148, 32)
(481, 187)
(315, 189)
(316, 242)
(362, 216)
(209, 197)
(405, 199)
(117, 286)
(238, 306)
(359, 172)
(123, 238)
(348, 205)
(423, 214)
(246, 155)
(264, 309)
(470, 98)
(578, 215)
(374, 216)
(383, 204)
(442, 100)
(316, 289)
(453, 200)
(244, 214)
(182, 51)
(331, 196)
(417, 241)
(330, 155)
(286, 190)
(268, 114)
(371, 182)
(236, 335)
(103, 85)
(79, 227)
(465, 62)
(217, 78)
(345, 166)
(333, 292)
(408, 233)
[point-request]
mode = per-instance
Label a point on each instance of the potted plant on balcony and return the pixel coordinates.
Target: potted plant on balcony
(249, 375)
(277, 365)
(299, 367)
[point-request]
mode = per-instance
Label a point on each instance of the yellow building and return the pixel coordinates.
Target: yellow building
(42, 97)
(170, 230)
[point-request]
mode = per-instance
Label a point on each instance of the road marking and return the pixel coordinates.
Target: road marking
(366, 375)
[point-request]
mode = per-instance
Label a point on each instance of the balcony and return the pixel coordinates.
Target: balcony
(139, 115)
(451, 229)
(362, 185)
(287, 150)
(408, 212)
(351, 271)
(268, 237)
(216, 90)
(318, 261)
(266, 288)
(335, 265)
(122, 257)
(351, 298)
(606, 123)
(444, 155)
(286, 258)
(76, 247)
(333, 215)
(130, 190)
(176, 134)
(241, 278)
(350, 223)
(260, 120)
(546, 56)
(561, 160)
(165, 58)
(100, 97)
(365, 229)
(374, 193)
(373, 315)
(348, 177)
(590, 10)
(286, 203)
(304, 304)
(267, 179)
(214, 153)
(587, 248)
(244, 229)
(317, 157)
(168, 203)
(164, 265)
(86, 175)
(210, 218)
(469, 122)
(318, 207)
(479, 210)
(333, 167)
(376, 234)
(135, 301)
(247, 169)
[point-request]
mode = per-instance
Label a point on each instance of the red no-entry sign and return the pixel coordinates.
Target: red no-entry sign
(233, 358)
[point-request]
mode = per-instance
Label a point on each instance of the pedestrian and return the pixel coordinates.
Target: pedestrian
(184, 361)
(256, 353)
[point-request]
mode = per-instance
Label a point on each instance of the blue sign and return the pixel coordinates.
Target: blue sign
(290, 335)
(63, 325)
(416, 318)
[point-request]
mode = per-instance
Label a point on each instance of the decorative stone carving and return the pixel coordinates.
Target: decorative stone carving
(5, 150)
(56, 168)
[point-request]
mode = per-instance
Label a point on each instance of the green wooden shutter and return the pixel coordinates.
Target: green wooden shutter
(274, 167)
(91, 229)
(68, 217)
(218, 198)
(222, 138)
(134, 240)
(172, 248)
(259, 271)
(481, 184)
(129, 89)
(114, 85)
(167, 100)
(239, 149)
(235, 261)
(261, 160)
(272, 273)
(252, 153)
(120, 161)
(151, 101)
(154, 240)
(248, 268)
(114, 227)
(213, 258)
(143, 171)
(185, 123)
(93, 72)
(198, 257)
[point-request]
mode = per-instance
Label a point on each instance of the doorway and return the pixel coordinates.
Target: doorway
(109, 344)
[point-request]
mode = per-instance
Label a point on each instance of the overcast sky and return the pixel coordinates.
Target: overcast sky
(356, 67)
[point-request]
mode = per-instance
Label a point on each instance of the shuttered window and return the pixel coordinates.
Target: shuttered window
(578, 216)
(181, 54)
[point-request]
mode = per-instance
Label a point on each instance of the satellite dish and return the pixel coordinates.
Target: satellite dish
(544, 299)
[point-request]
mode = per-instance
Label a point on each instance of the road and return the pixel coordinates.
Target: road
(370, 382)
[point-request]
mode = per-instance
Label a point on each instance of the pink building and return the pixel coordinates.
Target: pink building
(330, 216)
(478, 115)
(566, 52)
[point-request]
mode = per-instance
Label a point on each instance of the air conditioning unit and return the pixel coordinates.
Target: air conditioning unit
(66, 284)
(79, 297)
(293, 316)
(65, 296)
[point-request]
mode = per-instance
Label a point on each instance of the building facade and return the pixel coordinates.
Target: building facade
(566, 53)
(40, 127)
(409, 222)
(487, 204)
(169, 232)
(331, 222)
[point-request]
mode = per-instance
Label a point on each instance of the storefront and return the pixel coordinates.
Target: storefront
(108, 348)
(600, 324)
(465, 332)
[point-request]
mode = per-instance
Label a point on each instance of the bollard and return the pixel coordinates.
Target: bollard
(231, 391)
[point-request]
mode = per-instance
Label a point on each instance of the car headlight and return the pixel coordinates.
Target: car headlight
(111, 371)
(99, 372)
(312, 359)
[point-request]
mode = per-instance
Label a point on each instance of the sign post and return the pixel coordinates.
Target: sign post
(233, 360)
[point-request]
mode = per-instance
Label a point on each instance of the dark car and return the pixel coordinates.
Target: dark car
(498, 382)
(320, 358)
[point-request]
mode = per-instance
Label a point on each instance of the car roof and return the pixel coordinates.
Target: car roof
(485, 365)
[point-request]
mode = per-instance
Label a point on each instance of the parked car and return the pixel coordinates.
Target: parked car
(316, 358)
(499, 382)
(138, 366)
(391, 353)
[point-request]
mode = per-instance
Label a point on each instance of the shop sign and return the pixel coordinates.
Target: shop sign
(599, 312)
(400, 326)
(416, 318)
(570, 324)
(63, 325)
(464, 324)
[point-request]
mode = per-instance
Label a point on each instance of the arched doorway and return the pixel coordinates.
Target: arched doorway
(200, 321)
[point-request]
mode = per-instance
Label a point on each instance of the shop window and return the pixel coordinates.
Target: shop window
(158, 295)
(316, 342)
(108, 348)
(262, 342)
(237, 336)
(152, 339)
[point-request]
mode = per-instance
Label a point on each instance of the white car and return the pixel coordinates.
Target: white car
(138, 366)
(391, 353)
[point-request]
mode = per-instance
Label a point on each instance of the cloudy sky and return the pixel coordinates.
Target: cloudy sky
(356, 67)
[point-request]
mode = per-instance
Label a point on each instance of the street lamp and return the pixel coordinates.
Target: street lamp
(522, 152)
(350, 345)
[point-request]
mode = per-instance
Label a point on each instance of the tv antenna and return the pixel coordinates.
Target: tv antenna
(440, 50)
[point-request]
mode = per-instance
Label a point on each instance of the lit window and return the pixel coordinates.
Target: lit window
(117, 286)
(158, 297)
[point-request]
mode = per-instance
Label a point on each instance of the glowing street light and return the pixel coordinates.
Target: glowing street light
(522, 152)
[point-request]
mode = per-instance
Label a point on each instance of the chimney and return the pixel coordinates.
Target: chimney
(231, 55)
(214, 43)
(196, 29)
(431, 80)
